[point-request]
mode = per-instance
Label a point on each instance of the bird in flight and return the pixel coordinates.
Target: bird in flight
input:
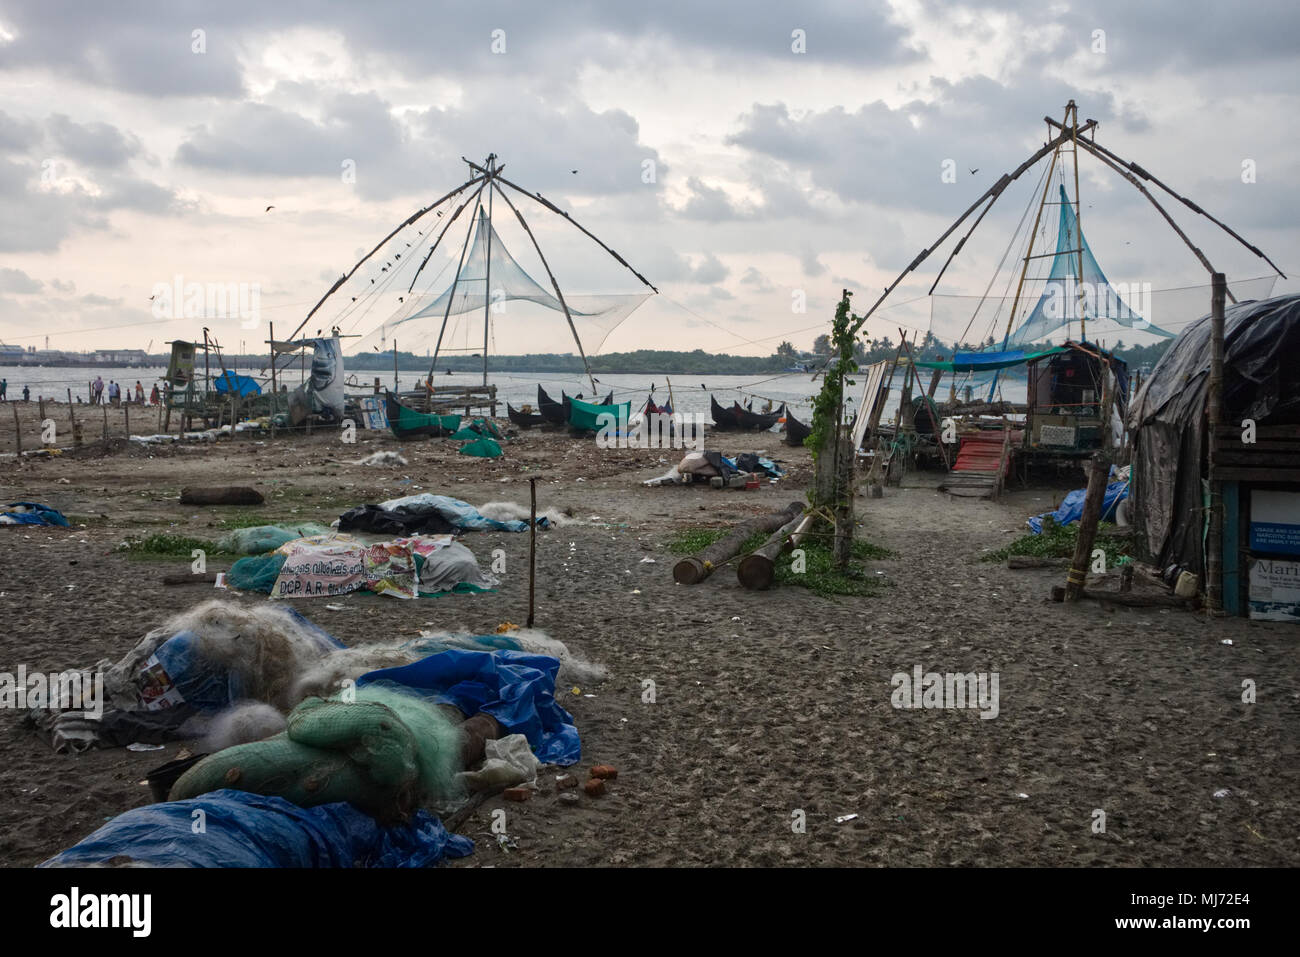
(975, 170)
(269, 208)
(574, 172)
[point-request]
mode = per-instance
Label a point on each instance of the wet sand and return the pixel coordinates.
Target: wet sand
(765, 704)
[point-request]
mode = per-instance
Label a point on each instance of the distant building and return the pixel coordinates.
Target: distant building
(122, 357)
(10, 354)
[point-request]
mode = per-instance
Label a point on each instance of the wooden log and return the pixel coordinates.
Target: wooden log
(696, 568)
(222, 495)
(757, 570)
(1033, 561)
(1077, 574)
(189, 579)
(1129, 599)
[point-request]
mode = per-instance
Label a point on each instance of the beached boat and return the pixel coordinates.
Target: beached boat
(723, 418)
(758, 421)
(550, 410)
(590, 416)
(406, 423)
(795, 431)
(525, 420)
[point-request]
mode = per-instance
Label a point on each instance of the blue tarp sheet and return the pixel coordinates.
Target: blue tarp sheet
(1071, 507)
(516, 688)
(238, 384)
(250, 830)
(31, 514)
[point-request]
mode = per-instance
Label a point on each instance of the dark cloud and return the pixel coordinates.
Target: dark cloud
(97, 145)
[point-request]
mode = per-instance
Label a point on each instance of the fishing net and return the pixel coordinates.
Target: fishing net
(385, 752)
(260, 539)
(418, 321)
(255, 573)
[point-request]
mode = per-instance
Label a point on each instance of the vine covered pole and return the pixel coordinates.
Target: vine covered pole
(833, 455)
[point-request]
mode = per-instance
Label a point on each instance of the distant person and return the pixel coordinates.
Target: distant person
(27, 394)
(139, 392)
(153, 396)
(98, 397)
(114, 393)
(4, 387)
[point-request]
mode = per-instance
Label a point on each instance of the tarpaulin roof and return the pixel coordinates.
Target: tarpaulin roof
(238, 384)
(987, 361)
(1261, 381)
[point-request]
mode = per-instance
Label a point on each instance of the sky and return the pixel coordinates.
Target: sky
(750, 159)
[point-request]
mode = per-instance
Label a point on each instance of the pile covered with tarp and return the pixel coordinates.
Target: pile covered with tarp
(31, 513)
(1071, 507)
(425, 513)
(1261, 382)
(703, 466)
(353, 740)
(252, 830)
(336, 564)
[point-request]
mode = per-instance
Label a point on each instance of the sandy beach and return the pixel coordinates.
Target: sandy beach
(766, 704)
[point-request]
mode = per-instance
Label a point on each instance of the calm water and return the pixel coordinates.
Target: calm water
(688, 394)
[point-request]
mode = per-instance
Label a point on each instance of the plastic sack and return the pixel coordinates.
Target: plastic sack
(31, 513)
(516, 688)
(260, 539)
(249, 830)
(507, 762)
(255, 573)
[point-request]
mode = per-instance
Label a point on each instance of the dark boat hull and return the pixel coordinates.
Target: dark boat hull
(795, 431)
(553, 412)
(525, 420)
(724, 419)
(757, 421)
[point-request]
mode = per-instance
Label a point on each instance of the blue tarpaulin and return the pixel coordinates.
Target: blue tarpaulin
(31, 513)
(516, 688)
(1071, 508)
(239, 384)
(250, 830)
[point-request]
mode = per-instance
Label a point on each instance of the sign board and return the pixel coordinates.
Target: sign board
(1274, 590)
(180, 369)
(373, 414)
(1056, 435)
(1275, 522)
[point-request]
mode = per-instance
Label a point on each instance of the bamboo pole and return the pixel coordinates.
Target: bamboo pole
(1033, 233)
(1073, 110)
(1214, 402)
(443, 232)
(1092, 146)
(487, 274)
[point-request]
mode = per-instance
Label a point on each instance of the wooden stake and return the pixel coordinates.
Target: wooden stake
(1214, 409)
(18, 430)
(532, 546)
(104, 406)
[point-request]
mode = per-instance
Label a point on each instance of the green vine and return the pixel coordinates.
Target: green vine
(827, 404)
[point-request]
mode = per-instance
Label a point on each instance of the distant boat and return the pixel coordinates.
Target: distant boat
(737, 418)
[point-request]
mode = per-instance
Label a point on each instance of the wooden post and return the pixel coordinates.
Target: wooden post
(126, 416)
(72, 420)
(532, 546)
(40, 404)
(18, 430)
(1214, 408)
(105, 408)
(1077, 575)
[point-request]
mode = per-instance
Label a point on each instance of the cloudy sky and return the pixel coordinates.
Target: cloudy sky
(796, 149)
